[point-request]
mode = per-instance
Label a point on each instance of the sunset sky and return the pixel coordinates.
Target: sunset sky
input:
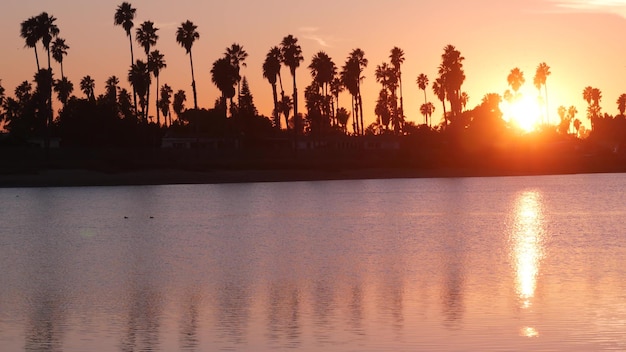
(581, 41)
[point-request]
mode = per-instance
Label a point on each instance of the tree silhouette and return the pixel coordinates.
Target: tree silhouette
(64, 88)
(164, 103)
(351, 77)
(621, 104)
(515, 79)
(541, 76)
(124, 16)
(156, 63)
(46, 30)
(427, 109)
(111, 87)
(285, 105)
(386, 76)
(186, 35)
(29, 31)
(224, 76)
(439, 90)
(139, 78)
(593, 96)
(237, 56)
(336, 87)
(87, 86)
(59, 50)
(271, 71)
(422, 83)
(178, 105)
(146, 37)
(453, 76)
(292, 57)
(397, 59)
(323, 70)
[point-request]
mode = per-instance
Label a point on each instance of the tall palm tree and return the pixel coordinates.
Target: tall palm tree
(592, 96)
(515, 79)
(165, 102)
(124, 16)
(358, 57)
(186, 35)
(47, 30)
(350, 74)
(156, 63)
(28, 31)
(427, 109)
(451, 71)
(439, 89)
(146, 37)
(59, 50)
(541, 76)
(87, 86)
(271, 71)
(397, 59)
(323, 70)
(285, 105)
(292, 57)
(237, 56)
(336, 87)
(386, 76)
(422, 83)
(139, 78)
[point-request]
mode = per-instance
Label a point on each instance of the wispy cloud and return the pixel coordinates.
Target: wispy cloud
(617, 7)
(311, 33)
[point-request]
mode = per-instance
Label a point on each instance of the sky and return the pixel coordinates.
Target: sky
(581, 41)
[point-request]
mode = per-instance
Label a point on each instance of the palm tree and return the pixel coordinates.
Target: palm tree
(111, 86)
(124, 16)
(146, 37)
(515, 79)
(178, 105)
(47, 30)
(464, 100)
(186, 35)
(59, 50)
(427, 109)
(64, 88)
(453, 76)
(156, 63)
(271, 71)
(284, 106)
(543, 71)
(336, 87)
(237, 56)
(592, 96)
(440, 91)
(165, 102)
(28, 31)
(292, 56)
(621, 104)
(224, 76)
(87, 86)
(139, 78)
(386, 75)
(422, 83)
(323, 70)
(358, 56)
(397, 58)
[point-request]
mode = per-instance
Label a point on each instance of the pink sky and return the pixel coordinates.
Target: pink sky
(582, 42)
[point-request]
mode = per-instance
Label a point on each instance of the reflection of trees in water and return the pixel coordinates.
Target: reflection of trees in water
(45, 330)
(233, 311)
(356, 309)
(391, 298)
(323, 309)
(189, 323)
(283, 314)
(142, 326)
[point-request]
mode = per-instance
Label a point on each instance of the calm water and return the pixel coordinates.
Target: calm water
(471, 264)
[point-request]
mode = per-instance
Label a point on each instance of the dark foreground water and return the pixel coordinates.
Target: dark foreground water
(469, 264)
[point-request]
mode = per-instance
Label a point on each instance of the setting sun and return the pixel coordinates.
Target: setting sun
(523, 112)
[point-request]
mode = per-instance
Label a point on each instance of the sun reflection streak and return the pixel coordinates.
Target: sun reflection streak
(527, 250)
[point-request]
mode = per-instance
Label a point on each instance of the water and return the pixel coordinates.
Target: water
(468, 264)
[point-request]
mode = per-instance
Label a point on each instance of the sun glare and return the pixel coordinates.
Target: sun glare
(523, 112)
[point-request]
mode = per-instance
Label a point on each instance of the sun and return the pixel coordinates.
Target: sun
(523, 112)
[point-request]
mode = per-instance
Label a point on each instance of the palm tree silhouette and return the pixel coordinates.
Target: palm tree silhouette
(139, 78)
(111, 87)
(47, 30)
(336, 87)
(271, 71)
(124, 16)
(515, 79)
(358, 56)
(186, 35)
(284, 106)
(427, 109)
(224, 76)
(28, 31)
(592, 96)
(439, 89)
(156, 63)
(146, 37)
(451, 71)
(59, 50)
(323, 70)
(87, 86)
(621, 104)
(164, 103)
(64, 88)
(292, 56)
(541, 76)
(397, 59)
(422, 83)
(237, 56)
(178, 105)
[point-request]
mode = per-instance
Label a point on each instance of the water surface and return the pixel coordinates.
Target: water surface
(465, 264)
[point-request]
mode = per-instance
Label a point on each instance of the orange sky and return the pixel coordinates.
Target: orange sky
(582, 42)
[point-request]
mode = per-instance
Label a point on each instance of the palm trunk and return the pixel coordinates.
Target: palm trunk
(361, 112)
(193, 83)
(132, 62)
(545, 87)
(157, 102)
(276, 113)
(295, 108)
(36, 57)
(145, 117)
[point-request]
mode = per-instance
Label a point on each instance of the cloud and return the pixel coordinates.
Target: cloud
(311, 33)
(617, 7)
